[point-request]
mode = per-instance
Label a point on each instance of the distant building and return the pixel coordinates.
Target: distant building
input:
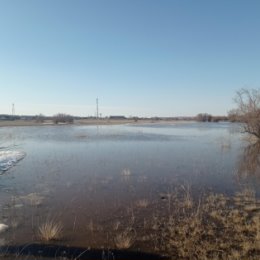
(117, 117)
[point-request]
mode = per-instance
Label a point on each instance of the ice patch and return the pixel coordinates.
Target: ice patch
(3, 228)
(9, 158)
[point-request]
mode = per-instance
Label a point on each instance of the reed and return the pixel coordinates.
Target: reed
(50, 230)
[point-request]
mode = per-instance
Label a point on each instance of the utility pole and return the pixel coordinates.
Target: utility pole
(13, 110)
(97, 107)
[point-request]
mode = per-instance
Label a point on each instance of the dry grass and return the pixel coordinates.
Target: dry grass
(214, 227)
(142, 203)
(125, 239)
(93, 227)
(187, 199)
(116, 225)
(50, 230)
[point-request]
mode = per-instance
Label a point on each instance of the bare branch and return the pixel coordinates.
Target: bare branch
(248, 110)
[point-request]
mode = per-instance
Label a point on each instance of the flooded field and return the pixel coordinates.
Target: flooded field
(129, 187)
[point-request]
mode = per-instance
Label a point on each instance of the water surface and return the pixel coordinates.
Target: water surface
(77, 174)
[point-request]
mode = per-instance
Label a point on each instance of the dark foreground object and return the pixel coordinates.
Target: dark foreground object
(54, 251)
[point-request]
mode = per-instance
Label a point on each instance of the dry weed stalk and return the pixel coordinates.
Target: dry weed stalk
(50, 230)
(187, 200)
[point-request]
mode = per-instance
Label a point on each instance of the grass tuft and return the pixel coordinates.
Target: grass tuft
(125, 239)
(142, 203)
(215, 227)
(50, 230)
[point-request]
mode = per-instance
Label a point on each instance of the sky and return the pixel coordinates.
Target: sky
(138, 57)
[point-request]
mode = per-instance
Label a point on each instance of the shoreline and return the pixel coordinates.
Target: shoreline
(82, 122)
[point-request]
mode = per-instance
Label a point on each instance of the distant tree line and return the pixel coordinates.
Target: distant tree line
(204, 117)
(65, 118)
(69, 119)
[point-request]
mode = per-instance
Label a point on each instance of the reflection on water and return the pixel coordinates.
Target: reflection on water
(249, 163)
(107, 180)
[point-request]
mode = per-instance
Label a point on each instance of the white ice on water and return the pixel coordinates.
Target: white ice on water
(3, 227)
(9, 158)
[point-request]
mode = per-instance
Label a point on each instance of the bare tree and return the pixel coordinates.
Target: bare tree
(40, 118)
(204, 117)
(248, 110)
(62, 118)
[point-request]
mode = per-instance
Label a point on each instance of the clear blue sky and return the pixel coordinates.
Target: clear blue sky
(139, 57)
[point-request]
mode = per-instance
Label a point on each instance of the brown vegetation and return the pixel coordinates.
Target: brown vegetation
(50, 230)
(248, 110)
(215, 227)
(125, 239)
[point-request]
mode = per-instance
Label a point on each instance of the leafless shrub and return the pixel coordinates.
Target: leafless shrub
(248, 110)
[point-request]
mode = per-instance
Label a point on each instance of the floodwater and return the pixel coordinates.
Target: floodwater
(98, 180)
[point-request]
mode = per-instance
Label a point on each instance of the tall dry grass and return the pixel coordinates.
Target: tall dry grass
(213, 227)
(50, 230)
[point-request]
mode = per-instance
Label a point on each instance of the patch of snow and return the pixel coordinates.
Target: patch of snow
(9, 158)
(3, 228)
